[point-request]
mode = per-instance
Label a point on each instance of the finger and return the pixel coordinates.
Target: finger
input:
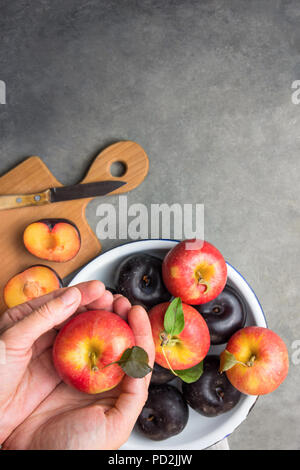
(128, 406)
(134, 391)
(90, 291)
(139, 322)
(116, 296)
(96, 298)
(24, 333)
(105, 302)
(43, 343)
(121, 306)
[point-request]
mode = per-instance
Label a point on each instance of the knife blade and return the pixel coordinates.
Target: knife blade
(59, 194)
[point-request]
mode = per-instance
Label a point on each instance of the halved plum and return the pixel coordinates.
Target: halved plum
(52, 239)
(31, 283)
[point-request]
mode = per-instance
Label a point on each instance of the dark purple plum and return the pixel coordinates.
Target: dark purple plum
(111, 289)
(165, 413)
(161, 375)
(212, 394)
(224, 315)
(139, 278)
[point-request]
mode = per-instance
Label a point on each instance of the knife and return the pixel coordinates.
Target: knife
(63, 193)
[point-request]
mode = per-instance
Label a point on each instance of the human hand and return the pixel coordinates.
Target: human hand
(37, 410)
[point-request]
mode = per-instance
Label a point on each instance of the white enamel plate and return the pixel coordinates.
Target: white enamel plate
(200, 432)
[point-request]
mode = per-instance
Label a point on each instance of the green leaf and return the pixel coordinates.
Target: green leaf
(190, 375)
(227, 361)
(174, 318)
(134, 362)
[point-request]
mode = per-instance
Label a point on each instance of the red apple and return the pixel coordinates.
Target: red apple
(195, 271)
(86, 345)
(186, 349)
(263, 360)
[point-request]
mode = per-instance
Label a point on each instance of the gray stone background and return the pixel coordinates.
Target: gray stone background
(205, 88)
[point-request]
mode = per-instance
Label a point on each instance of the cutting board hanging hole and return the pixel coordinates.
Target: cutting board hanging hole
(118, 169)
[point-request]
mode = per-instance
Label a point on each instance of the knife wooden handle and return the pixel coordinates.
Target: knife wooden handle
(131, 155)
(13, 201)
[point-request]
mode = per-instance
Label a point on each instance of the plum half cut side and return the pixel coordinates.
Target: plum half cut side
(31, 283)
(56, 240)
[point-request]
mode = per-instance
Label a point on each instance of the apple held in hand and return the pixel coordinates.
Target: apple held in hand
(255, 360)
(87, 345)
(195, 271)
(181, 335)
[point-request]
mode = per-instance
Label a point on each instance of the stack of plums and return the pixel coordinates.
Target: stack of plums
(206, 311)
(56, 240)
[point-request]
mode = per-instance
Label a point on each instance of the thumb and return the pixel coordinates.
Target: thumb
(134, 392)
(24, 333)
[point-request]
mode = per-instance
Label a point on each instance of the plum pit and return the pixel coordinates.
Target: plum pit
(32, 289)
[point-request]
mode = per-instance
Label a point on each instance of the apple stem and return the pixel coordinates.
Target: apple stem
(201, 280)
(251, 362)
(164, 339)
(167, 360)
(93, 359)
(168, 339)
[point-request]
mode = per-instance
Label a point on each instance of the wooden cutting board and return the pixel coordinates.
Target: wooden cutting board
(32, 175)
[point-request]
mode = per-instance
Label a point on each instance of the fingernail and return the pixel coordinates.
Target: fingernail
(70, 296)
